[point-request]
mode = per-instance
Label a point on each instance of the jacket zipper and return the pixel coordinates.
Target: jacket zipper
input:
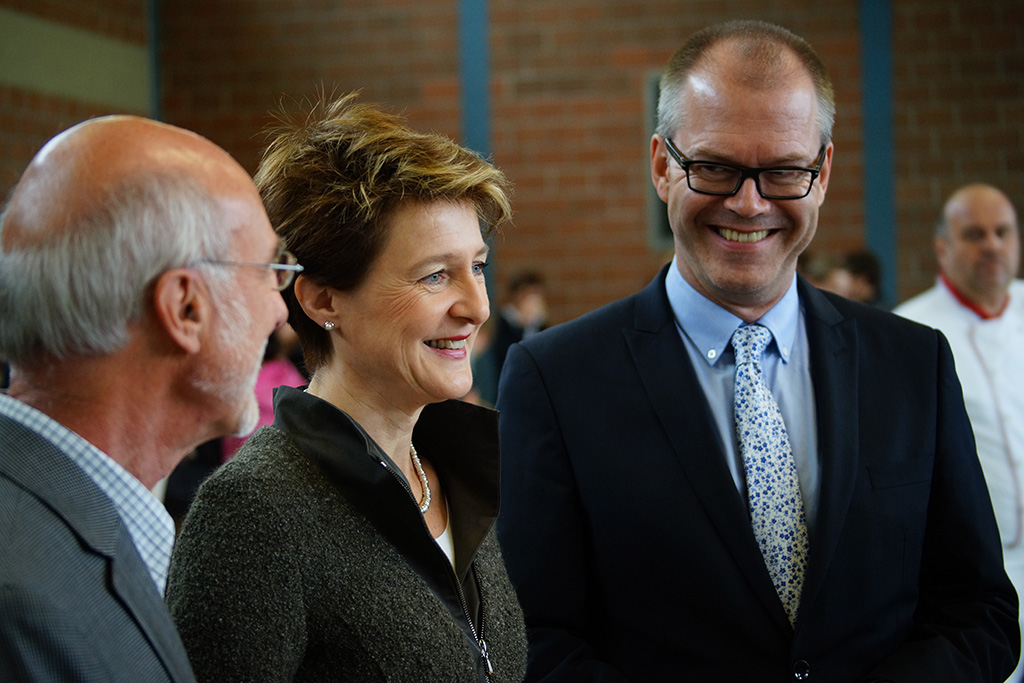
(481, 642)
(477, 635)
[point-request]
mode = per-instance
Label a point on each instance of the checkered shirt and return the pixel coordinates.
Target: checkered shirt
(147, 521)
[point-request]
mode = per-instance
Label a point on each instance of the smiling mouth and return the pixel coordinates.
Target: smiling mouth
(734, 236)
(446, 343)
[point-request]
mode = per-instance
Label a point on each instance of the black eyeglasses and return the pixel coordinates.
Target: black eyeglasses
(778, 182)
(285, 266)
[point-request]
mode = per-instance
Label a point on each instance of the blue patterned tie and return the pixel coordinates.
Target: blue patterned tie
(773, 489)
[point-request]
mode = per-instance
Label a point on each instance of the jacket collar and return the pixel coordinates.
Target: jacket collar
(832, 338)
(666, 374)
(61, 485)
(460, 440)
(40, 468)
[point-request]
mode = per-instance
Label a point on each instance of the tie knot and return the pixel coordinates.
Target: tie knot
(749, 342)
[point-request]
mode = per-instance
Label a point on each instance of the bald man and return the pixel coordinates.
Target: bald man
(979, 306)
(139, 280)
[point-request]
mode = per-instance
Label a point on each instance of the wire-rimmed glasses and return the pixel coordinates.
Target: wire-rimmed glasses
(285, 267)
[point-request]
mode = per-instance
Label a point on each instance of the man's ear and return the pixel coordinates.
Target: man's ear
(182, 307)
(941, 250)
(825, 172)
(659, 166)
(317, 301)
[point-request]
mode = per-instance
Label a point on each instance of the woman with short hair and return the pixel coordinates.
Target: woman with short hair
(352, 539)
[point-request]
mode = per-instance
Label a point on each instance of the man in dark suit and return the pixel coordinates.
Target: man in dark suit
(634, 520)
(133, 336)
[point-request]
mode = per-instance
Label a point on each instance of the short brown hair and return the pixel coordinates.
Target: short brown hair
(332, 178)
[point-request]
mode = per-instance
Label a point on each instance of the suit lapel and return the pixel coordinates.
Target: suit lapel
(135, 589)
(678, 400)
(832, 339)
(40, 467)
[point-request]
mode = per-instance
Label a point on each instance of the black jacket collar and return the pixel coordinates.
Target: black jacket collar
(460, 440)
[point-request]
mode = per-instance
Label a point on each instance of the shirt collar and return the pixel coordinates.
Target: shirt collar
(710, 327)
(966, 302)
(145, 518)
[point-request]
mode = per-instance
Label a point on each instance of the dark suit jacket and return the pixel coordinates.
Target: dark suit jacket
(632, 550)
(76, 601)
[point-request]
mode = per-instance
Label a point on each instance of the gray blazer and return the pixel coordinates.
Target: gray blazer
(76, 601)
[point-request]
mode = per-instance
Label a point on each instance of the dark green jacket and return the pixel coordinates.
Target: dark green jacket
(305, 557)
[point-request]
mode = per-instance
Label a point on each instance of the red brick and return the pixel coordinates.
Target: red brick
(568, 83)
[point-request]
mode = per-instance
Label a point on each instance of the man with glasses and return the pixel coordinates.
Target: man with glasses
(139, 280)
(732, 476)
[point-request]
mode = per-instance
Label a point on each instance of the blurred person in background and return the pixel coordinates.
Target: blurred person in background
(978, 304)
(826, 270)
(865, 276)
(524, 314)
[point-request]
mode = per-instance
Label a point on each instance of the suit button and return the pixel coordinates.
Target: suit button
(801, 670)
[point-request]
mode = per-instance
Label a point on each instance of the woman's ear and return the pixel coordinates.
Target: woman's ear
(183, 307)
(316, 300)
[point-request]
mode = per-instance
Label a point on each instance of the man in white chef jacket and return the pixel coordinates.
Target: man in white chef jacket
(979, 305)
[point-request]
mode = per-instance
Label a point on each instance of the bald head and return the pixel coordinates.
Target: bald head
(974, 201)
(81, 169)
(758, 54)
(977, 244)
(103, 209)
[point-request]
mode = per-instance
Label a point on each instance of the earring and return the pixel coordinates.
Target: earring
(328, 326)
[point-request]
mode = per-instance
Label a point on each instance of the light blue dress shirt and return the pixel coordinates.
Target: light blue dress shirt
(149, 525)
(706, 330)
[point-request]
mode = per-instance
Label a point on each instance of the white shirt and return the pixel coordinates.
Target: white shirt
(445, 540)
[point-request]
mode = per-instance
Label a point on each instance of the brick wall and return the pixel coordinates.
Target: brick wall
(958, 73)
(28, 119)
(226, 64)
(569, 125)
(568, 89)
(122, 19)
(568, 83)
(570, 129)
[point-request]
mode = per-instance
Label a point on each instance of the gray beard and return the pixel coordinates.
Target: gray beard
(224, 383)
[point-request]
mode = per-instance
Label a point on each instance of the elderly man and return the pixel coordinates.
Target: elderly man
(979, 306)
(139, 280)
(731, 475)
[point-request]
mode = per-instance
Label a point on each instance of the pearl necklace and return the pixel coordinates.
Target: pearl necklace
(425, 500)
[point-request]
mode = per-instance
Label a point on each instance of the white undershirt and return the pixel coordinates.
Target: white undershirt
(444, 541)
